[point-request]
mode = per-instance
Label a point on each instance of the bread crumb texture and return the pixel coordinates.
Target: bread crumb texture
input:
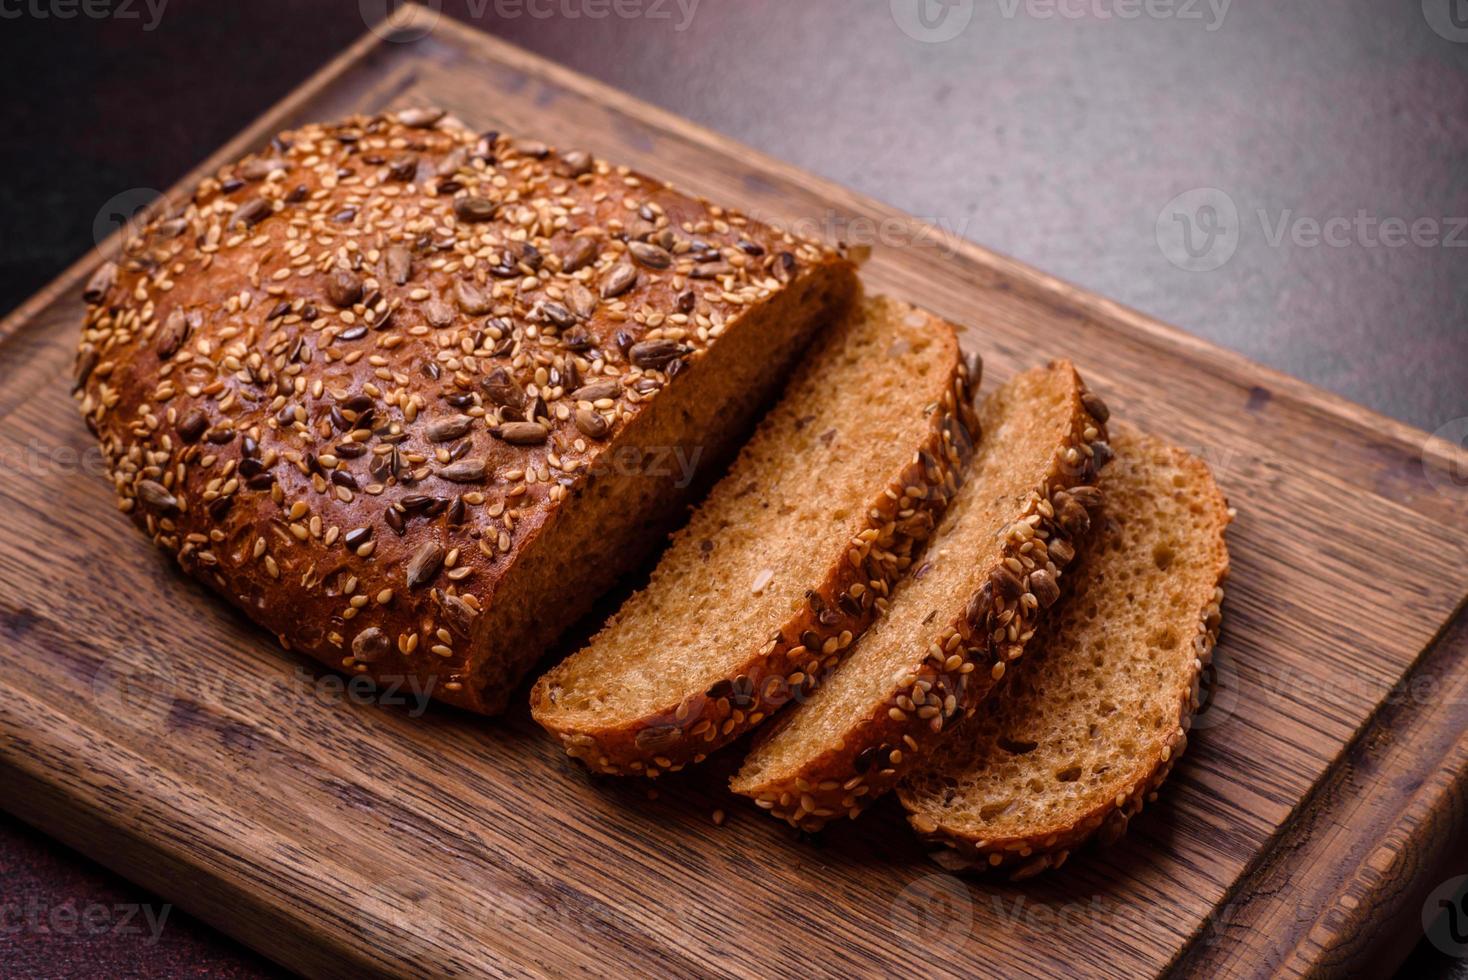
(789, 558)
(964, 614)
(1089, 724)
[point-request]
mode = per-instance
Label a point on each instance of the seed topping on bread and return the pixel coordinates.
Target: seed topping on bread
(1092, 721)
(387, 324)
(881, 414)
(953, 628)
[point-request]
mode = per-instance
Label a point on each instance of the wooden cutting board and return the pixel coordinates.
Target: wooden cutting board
(144, 723)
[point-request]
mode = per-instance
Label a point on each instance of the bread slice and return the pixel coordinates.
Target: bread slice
(1091, 723)
(789, 558)
(963, 615)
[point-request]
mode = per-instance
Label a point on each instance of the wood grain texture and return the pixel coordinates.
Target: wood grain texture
(146, 724)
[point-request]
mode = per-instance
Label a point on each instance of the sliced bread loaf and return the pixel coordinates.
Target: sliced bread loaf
(1090, 724)
(957, 621)
(789, 558)
(412, 397)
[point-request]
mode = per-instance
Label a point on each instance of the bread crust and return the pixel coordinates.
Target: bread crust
(1024, 856)
(338, 384)
(967, 657)
(809, 645)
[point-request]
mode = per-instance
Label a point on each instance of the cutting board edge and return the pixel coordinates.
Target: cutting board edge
(1385, 872)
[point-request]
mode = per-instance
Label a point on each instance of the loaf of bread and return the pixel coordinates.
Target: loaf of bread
(1097, 714)
(958, 621)
(788, 560)
(412, 396)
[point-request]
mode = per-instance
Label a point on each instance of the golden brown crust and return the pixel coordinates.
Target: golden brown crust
(1024, 856)
(809, 645)
(338, 384)
(967, 656)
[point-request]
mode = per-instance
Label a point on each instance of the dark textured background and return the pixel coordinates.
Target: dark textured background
(1059, 140)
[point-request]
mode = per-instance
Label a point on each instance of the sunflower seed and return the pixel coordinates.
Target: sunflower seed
(403, 169)
(370, 645)
(471, 299)
(155, 495)
(191, 427)
(523, 433)
(1088, 497)
(259, 169)
(558, 315)
(784, 267)
(654, 354)
(1096, 407)
(582, 300)
(473, 209)
(592, 423)
(86, 363)
(576, 163)
(465, 471)
(251, 213)
(583, 252)
(100, 283)
(503, 389)
(712, 270)
(655, 738)
(452, 427)
(597, 390)
(1006, 583)
(399, 264)
(1070, 515)
(461, 615)
(427, 560)
(1043, 585)
(420, 117)
(650, 255)
(622, 278)
(438, 313)
(452, 163)
(172, 336)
